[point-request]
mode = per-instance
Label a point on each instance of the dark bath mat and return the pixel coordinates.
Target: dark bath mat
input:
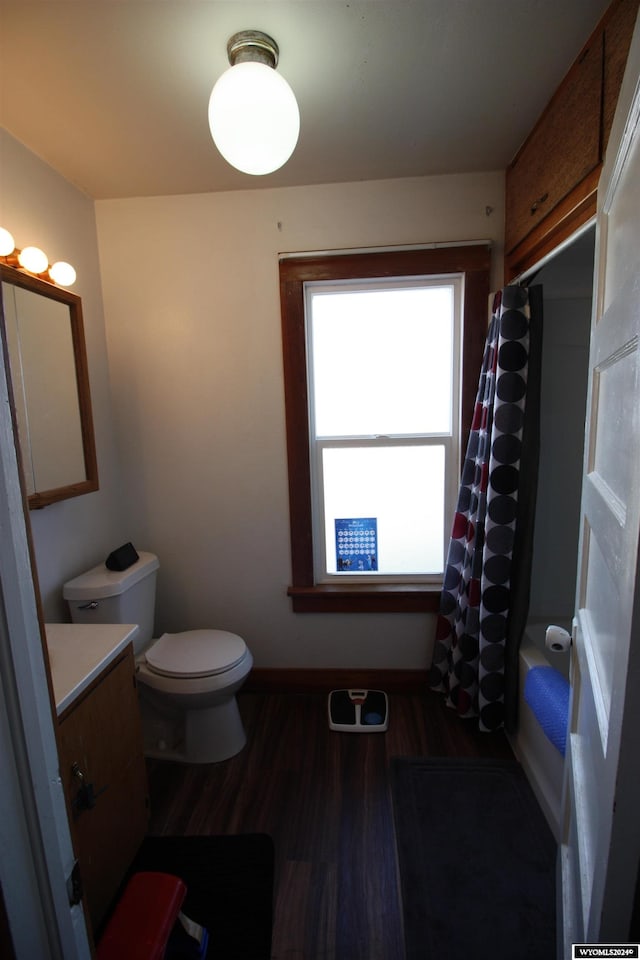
(476, 858)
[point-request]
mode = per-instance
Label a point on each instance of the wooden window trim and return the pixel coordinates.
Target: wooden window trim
(474, 261)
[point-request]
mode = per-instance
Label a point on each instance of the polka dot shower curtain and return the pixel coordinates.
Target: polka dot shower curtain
(485, 595)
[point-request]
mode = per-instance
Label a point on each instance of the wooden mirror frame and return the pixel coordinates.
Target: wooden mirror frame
(89, 483)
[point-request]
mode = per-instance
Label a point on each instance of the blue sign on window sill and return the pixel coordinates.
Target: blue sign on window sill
(357, 545)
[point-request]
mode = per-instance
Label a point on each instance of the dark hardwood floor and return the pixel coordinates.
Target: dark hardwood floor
(325, 799)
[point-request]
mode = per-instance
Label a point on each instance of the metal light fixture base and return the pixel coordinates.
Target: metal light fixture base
(253, 45)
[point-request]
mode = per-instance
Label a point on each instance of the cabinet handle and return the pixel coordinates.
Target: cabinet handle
(538, 202)
(85, 798)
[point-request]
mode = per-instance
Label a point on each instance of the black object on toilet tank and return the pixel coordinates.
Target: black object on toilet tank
(122, 558)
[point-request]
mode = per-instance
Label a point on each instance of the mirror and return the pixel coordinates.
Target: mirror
(50, 381)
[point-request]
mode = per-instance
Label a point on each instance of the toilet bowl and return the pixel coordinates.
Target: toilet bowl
(187, 682)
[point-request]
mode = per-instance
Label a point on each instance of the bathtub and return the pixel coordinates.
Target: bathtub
(541, 760)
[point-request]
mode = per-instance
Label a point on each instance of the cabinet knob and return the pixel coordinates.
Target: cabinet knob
(537, 203)
(77, 773)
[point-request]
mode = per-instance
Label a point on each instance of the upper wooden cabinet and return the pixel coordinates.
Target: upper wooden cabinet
(552, 181)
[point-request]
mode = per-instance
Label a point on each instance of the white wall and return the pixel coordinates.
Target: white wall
(40, 207)
(193, 330)
(193, 391)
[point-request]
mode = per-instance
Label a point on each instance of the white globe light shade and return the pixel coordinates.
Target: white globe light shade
(254, 118)
(62, 273)
(33, 259)
(7, 243)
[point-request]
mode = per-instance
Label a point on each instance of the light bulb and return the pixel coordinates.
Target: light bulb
(33, 259)
(62, 273)
(254, 118)
(7, 243)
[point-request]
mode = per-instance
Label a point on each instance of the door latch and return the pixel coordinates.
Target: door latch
(75, 890)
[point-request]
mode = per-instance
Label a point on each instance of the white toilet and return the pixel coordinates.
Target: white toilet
(187, 681)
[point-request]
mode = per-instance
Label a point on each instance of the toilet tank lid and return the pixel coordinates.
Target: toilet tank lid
(99, 582)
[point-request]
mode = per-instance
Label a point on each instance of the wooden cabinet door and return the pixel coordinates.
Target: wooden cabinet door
(562, 150)
(100, 737)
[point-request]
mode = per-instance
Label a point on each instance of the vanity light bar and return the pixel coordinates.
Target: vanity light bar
(33, 260)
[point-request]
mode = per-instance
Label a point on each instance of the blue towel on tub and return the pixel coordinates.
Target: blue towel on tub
(547, 693)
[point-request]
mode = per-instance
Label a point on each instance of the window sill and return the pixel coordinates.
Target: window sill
(365, 598)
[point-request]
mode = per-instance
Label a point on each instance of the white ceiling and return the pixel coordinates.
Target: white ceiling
(113, 94)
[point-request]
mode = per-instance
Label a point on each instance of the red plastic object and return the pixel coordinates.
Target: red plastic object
(143, 918)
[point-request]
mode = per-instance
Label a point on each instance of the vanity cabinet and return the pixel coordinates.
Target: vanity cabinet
(104, 778)
(552, 181)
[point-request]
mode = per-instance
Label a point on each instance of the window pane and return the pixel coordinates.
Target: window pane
(402, 489)
(382, 361)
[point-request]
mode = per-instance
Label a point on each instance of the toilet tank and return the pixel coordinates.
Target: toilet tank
(116, 596)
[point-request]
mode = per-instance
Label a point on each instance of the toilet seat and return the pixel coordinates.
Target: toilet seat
(195, 653)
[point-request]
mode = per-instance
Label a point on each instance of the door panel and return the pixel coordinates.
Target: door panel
(601, 832)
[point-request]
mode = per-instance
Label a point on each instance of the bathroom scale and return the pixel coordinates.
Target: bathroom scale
(358, 711)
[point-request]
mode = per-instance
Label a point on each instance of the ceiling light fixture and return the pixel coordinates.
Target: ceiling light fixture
(253, 113)
(33, 260)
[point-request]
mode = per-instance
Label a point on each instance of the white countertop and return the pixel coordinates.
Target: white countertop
(79, 652)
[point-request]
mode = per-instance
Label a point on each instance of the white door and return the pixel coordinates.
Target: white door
(36, 853)
(599, 854)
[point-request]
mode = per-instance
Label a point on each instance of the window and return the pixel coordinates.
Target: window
(381, 360)
(383, 413)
